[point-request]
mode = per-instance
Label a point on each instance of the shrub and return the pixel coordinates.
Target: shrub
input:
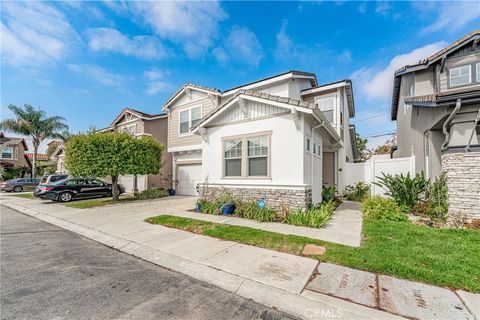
(314, 217)
(152, 193)
(382, 209)
(359, 192)
(328, 193)
(437, 199)
(406, 191)
(251, 210)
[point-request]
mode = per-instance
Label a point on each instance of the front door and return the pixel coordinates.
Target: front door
(329, 168)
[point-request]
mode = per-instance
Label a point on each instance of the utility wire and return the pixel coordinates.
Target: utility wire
(368, 118)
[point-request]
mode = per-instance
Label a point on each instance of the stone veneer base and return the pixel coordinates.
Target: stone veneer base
(463, 181)
(277, 198)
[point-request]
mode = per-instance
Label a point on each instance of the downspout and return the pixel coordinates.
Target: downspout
(446, 129)
(311, 151)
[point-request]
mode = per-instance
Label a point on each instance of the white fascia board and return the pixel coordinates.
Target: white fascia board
(267, 82)
(183, 90)
(186, 148)
(324, 88)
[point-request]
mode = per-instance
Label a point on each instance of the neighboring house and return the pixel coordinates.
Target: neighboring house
(436, 104)
(58, 158)
(139, 124)
(12, 153)
(279, 138)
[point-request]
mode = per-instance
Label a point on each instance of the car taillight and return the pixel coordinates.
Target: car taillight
(48, 188)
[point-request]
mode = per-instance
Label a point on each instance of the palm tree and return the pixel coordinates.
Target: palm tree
(35, 124)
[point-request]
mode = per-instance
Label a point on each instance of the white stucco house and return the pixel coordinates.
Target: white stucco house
(281, 138)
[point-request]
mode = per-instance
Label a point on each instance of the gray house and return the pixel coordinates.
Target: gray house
(436, 104)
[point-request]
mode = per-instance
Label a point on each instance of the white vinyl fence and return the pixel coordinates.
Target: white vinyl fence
(373, 168)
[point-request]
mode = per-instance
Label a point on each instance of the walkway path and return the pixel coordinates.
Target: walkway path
(271, 278)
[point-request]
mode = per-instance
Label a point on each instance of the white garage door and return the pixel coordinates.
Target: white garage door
(188, 178)
(127, 182)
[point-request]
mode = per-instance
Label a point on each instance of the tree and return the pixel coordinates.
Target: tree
(36, 124)
(363, 152)
(113, 154)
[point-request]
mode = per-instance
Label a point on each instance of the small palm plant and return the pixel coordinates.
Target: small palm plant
(405, 190)
(37, 125)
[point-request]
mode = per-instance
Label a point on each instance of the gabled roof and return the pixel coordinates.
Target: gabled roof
(54, 143)
(193, 87)
(59, 149)
(289, 103)
(140, 114)
(292, 73)
(12, 141)
(473, 36)
(347, 83)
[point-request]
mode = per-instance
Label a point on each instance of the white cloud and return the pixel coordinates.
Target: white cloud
(345, 57)
(193, 24)
(157, 81)
(99, 74)
(108, 39)
(376, 83)
(452, 15)
(35, 34)
(382, 8)
(241, 45)
(287, 50)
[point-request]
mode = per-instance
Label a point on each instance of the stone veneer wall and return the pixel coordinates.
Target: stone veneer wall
(275, 198)
(463, 182)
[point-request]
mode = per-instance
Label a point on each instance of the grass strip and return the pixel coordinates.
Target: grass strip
(443, 257)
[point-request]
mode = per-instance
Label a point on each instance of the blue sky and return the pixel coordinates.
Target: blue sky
(87, 60)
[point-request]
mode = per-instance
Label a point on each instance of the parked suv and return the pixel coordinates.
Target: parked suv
(75, 188)
(20, 184)
(50, 178)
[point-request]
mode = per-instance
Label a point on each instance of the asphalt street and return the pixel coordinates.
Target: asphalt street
(50, 273)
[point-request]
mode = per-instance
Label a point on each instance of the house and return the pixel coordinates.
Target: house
(140, 124)
(12, 154)
(280, 138)
(58, 158)
(436, 104)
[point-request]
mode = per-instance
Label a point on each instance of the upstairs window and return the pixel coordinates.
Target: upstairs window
(189, 118)
(327, 106)
(132, 129)
(460, 76)
(7, 153)
(477, 66)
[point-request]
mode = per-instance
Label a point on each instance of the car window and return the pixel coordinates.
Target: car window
(44, 179)
(22, 180)
(95, 182)
(56, 178)
(36, 180)
(72, 182)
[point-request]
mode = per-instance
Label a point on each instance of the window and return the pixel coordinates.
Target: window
(308, 144)
(460, 76)
(233, 158)
(477, 67)
(189, 118)
(246, 157)
(131, 129)
(258, 156)
(7, 153)
(314, 148)
(477, 129)
(327, 106)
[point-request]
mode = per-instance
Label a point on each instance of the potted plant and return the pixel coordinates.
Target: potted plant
(228, 206)
(171, 182)
(199, 205)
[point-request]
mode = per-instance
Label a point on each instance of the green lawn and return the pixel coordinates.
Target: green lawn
(444, 257)
(23, 195)
(90, 203)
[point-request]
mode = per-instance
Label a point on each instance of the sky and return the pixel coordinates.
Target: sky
(88, 60)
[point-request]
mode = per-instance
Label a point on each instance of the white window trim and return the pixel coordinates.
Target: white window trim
(461, 84)
(335, 105)
(477, 73)
(10, 147)
(125, 129)
(189, 133)
(244, 161)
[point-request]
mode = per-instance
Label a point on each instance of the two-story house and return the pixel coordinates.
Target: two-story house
(436, 104)
(280, 138)
(140, 124)
(12, 153)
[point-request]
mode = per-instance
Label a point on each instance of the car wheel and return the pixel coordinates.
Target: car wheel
(17, 189)
(65, 197)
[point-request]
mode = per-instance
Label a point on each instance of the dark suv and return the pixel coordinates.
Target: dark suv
(75, 188)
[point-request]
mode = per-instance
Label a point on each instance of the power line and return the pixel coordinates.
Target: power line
(376, 135)
(375, 116)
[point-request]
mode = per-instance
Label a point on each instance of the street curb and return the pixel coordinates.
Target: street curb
(299, 305)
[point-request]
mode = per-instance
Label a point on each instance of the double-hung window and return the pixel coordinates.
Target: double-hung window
(460, 76)
(7, 153)
(327, 106)
(131, 129)
(247, 156)
(477, 67)
(189, 118)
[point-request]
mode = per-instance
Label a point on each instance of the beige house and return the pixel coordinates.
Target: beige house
(13, 153)
(280, 138)
(436, 104)
(140, 124)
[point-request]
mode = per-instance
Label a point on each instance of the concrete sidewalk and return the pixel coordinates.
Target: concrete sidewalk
(271, 278)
